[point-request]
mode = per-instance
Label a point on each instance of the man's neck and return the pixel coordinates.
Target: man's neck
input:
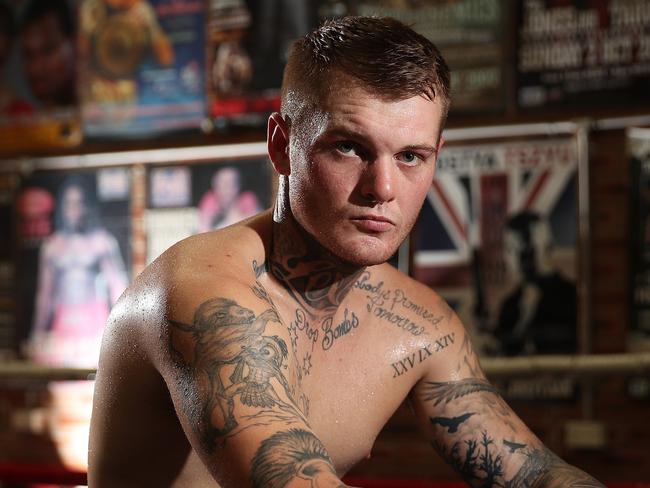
(318, 280)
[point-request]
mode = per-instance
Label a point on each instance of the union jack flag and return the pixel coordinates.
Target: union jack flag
(476, 189)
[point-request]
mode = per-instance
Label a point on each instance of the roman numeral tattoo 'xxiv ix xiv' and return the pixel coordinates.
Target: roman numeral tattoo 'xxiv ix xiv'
(405, 365)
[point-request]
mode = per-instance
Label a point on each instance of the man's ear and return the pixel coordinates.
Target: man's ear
(441, 142)
(277, 141)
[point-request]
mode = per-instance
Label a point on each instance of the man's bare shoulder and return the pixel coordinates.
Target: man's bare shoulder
(224, 252)
(178, 281)
(425, 334)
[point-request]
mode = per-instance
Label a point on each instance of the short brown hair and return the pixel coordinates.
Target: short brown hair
(386, 57)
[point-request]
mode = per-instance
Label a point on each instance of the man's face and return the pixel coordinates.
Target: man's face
(527, 262)
(360, 169)
(225, 183)
(74, 208)
(49, 60)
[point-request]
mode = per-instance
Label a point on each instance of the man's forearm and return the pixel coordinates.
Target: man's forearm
(543, 469)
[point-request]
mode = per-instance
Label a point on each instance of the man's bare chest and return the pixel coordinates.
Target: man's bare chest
(340, 375)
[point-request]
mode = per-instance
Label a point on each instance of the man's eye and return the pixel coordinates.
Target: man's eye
(409, 157)
(346, 147)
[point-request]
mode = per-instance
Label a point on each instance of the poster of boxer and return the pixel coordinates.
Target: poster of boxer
(38, 99)
(186, 200)
(583, 52)
(73, 232)
(248, 45)
(142, 66)
(471, 34)
(497, 238)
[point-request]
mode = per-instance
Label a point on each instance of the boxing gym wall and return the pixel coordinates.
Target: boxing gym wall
(157, 111)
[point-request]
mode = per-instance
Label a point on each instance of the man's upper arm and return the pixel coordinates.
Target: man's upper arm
(228, 373)
(477, 433)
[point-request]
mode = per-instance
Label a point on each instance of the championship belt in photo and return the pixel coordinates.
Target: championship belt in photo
(120, 46)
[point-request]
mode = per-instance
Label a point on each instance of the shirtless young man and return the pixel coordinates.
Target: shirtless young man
(276, 349)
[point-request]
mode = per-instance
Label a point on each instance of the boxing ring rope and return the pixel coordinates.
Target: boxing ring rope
(631, 363)
(26, 370)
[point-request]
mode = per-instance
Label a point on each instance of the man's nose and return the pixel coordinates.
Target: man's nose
(378, 180)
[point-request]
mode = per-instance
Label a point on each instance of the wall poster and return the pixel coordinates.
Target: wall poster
(497, 239)
(248, 44)
(142, 66)
(471, 35)
(38, 96)
(583, 52)
(186, 200)
(74, 233)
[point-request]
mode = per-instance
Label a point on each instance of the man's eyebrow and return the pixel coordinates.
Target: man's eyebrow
(342, 131)
(421, 148)
(357, 136)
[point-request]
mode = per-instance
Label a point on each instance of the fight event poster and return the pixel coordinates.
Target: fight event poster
(471, 35)
(583, 52)
(73, 233)
(142, 66)
(497, 239)
(187, 200)
(38, 96)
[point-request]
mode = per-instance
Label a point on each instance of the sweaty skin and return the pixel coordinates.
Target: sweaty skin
(272, 352)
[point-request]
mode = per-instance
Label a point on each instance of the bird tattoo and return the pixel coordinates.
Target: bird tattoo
(513, 446)
(451, 423)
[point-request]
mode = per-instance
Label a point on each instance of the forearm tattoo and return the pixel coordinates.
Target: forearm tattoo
(481, 458)
(446, 391)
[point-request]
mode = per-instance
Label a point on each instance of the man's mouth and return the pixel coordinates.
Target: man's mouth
(373, 223)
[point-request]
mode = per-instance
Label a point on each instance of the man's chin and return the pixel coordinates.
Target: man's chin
(365, 256)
